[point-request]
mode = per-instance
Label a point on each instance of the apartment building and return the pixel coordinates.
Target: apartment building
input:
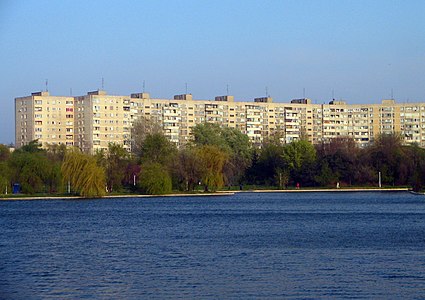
(101, 119)
(92, 121)
(50, 119)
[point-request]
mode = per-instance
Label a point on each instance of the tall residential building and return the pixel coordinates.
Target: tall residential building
(92, 121)
(101, 119)
(50, 119)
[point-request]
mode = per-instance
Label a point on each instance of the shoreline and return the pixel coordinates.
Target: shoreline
(218, 193)
(343, 190)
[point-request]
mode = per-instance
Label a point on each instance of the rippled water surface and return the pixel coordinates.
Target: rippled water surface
(277, 245)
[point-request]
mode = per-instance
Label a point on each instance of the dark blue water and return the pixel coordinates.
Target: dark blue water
(338, 245)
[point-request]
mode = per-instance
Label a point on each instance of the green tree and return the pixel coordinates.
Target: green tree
(4, 153)
(56, 153)
(300, 157)
(281, 178)
(83, 174)
(188, 168)
(212, 162)
(114, 161)
(341, 155)
(240, 156)
(32, 147)
(4, 178)
(4, 169)
(386, 155)
(209, 134)
(229, 140)
(269, 165)
(157, 148)
(141, 128)
(415, 171)
(325, 175)
(154, 179)
(30, 168)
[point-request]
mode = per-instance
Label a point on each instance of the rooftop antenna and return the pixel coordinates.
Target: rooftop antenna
(267, 91)
(186, 87)
(103, 83)
(227, 89)
(392, 94)
(304, 93)
(333, 94)
(47, 85)
(143, 86)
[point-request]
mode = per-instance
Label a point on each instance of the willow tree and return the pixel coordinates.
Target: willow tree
(83, 174)
(187, 168)
(212, 161)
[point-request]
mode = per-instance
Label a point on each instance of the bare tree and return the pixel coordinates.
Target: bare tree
(142, 127)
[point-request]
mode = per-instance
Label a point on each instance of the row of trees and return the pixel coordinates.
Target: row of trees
(217, 157)
(339, 161)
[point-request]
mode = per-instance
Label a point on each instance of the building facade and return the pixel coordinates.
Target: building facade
(92, 121)
(50, 119)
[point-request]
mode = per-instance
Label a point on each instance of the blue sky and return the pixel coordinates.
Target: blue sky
(356, 50)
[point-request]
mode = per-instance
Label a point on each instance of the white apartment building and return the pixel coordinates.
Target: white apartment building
(50, 119)
(92, 121)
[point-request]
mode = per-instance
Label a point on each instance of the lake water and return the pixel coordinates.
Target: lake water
(250, 245)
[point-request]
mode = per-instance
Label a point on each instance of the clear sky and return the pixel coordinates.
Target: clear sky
(359, 51)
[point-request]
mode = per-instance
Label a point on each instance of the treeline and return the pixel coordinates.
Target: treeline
(216, 158)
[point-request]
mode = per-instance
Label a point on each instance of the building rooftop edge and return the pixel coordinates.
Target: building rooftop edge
(224, 99)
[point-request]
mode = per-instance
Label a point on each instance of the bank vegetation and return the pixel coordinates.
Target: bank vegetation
(216, 158)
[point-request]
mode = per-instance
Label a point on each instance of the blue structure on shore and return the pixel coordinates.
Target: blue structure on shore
(16, 188)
